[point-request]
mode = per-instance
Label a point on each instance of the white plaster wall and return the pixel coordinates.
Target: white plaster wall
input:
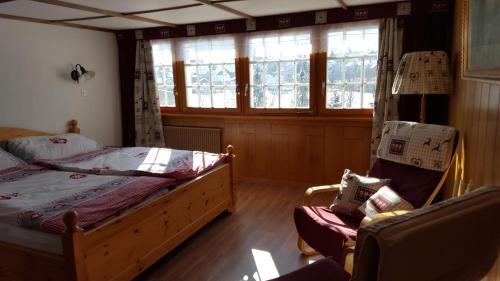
(36, 91)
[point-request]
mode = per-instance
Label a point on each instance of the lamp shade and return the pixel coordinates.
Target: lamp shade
(423, 73)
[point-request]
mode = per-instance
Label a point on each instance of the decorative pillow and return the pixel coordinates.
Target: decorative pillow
(8, 160)
(50, 147)
(384, 200)
(425, 146)
(354, 191)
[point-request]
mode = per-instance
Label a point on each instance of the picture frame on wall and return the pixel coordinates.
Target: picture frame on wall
(481, 40)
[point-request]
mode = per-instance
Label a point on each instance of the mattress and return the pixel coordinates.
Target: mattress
(33, 239)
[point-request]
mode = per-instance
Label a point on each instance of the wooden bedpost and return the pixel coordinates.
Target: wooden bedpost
(231, 156)
(73, 127)
(72, 248)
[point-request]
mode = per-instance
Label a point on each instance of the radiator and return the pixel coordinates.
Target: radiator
(193, 138)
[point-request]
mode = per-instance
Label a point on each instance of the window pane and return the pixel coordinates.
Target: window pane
(371, 69)
(280, 63)
(287, 70)
(191, 76)
(272, 97)
(369, 95)
(230, 74)
(205, 97)
(257, 73)
(257, 97)
(334, 96)
(218, 97)
(193, 99)
(210, 73)
(352, 68)
(334, 71)
(303, 96)
(303, 71)
(271, 73)
(287, 97)
(163, 72)
(352, 96)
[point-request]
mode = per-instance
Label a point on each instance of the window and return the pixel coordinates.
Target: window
(351, 68)
(279, 71)
(164, 73)
(210, 73)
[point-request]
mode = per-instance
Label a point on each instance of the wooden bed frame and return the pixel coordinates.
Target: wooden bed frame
(124, 246)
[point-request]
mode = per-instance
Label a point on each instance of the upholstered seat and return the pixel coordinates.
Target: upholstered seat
(324, 230)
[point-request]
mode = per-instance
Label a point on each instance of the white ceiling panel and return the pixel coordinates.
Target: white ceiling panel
(274, 7)
(116, 23)
(37, 10)
(125, 6)
(191, 15)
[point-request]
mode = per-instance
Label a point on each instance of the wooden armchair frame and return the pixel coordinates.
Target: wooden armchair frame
(334, 189)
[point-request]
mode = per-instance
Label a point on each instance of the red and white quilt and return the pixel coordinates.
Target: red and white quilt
(139, 161)
(36, 197)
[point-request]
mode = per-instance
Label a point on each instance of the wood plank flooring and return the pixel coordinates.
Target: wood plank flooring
(222, 251)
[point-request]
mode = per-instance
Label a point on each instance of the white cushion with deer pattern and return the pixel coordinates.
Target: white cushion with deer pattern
(425, 146)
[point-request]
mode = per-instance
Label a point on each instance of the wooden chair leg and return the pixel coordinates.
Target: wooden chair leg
(305, 250)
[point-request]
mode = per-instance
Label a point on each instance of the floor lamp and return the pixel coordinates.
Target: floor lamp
(423, 73)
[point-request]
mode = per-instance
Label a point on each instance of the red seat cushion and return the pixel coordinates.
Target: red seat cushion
(325, 231)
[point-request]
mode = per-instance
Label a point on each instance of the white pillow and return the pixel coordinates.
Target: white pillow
(50, 147)
(8, 160)
(354, 191)
(384, 200)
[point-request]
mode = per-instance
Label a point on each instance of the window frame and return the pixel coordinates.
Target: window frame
(311, 110)
(323, 82)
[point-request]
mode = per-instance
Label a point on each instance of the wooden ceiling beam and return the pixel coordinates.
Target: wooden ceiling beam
(343, 4)
(75, 25)
(225, 8)
(103, 12)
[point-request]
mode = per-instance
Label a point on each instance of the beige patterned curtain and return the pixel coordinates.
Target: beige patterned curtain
(148, 124)
(386, 104)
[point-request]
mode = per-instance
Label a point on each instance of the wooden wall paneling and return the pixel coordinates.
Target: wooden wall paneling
(296, 149)
(262, 150)
(482, 115)
(279, 151)
(491, 137)
(334, 164)
(314, 150)
(290, 150)
(496, 163)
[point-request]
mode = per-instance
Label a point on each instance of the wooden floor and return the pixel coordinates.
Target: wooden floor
(251, 244)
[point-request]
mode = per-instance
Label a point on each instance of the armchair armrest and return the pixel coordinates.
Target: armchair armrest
(382, 216)
(315, 190)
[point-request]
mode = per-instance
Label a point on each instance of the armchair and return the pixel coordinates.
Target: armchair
(457, 239)
(417, 165)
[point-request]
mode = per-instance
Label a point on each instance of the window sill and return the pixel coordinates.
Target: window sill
(358, 118)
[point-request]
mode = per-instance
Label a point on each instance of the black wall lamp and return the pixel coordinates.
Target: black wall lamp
(80, 72)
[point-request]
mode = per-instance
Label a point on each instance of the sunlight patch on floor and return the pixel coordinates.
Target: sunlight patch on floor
(266, 268)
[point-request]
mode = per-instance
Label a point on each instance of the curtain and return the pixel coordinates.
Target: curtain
(386, 104)
(148, 124)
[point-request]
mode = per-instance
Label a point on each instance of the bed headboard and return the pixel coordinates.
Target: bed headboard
(7, 133)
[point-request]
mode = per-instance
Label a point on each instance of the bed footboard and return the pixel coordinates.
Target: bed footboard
(127, 245)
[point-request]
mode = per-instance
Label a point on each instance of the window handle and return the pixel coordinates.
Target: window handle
(238, 92)
(247, 88)
(323, 88)
(175, 91)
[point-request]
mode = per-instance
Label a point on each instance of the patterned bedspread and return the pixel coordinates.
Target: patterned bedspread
(139, 161)
(36, 197)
